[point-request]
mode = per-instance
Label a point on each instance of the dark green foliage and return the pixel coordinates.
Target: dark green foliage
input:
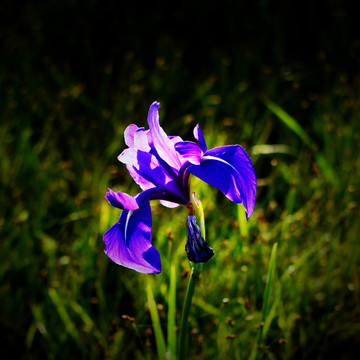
(73, 75)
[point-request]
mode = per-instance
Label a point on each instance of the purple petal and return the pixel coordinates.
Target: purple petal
(142, 140)
(189, 151)
(169, 204)
(175, 139)
(163, 145)
(121, 200)
(147, 172)
(128, 242)
(129, 157)
(129, 135)
(200, 138)
(229, 169)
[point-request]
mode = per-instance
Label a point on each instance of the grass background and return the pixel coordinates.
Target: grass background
(74, 75)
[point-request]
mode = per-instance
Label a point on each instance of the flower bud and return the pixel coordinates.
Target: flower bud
(196, 247)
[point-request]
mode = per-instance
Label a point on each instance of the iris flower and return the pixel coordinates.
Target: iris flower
(161, 165)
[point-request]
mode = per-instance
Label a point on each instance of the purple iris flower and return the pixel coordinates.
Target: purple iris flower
(161, 165)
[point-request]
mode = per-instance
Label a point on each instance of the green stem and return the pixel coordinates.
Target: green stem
(172, 312)
(195, 273)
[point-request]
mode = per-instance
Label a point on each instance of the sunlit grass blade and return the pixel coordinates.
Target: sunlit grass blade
(199, 211)
(283, 279)
(271, 269)
(266, 149)
(64, 316)
(117, 344)
(243, 225)
(159, 336)
(206, 307)
(172, 313)
(268, 285)
(88, 322)
(272, 312)
(288, 120)
(293, 125)
(202, 220)
(37, 325)
(326, 169)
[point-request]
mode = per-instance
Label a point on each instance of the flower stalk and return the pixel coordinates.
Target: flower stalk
(195, 273)
(195, 207)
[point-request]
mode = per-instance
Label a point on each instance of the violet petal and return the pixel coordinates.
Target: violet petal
(147, 171)
(163, 145)
(200, 138)
(189, 151)
(121, 200)
(141, 140)
(169, 204)
(129, 135)
(128, 242)
(229, 169)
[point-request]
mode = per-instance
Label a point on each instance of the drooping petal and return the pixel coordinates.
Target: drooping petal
(147, 172)
(121, 200)
(128, 242)
(129, 135)
(200, 138)
(163, 145)
(189, 151)
(229, 169)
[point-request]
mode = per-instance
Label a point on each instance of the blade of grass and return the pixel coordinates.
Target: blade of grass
(88, 322)
(326, 168)
(266, 149)
(254, 352)
(282, 282)
(159, 336)
(64, 316)
(243, 225)
(206, 307)
(268, 286)
(172, 312)
(288, 120)
(262, 139)
(293, 125)
(37, 325)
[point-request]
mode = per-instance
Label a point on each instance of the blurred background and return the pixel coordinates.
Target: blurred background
(280, 78)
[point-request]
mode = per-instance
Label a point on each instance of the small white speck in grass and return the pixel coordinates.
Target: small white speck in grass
(64, 260)
(351, 286)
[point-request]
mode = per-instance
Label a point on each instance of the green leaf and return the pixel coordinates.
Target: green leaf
(159, 336)
(254, 352)
(288, 120)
